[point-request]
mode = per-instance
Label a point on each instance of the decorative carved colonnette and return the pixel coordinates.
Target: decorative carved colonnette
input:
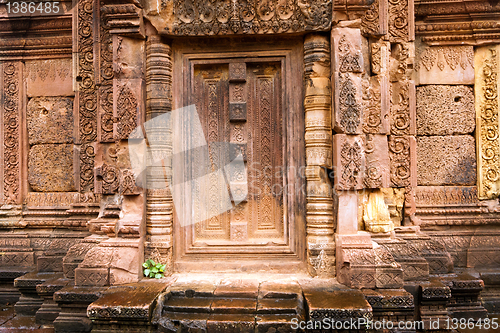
(487, 86)
(318, 139)
(159, 202)
(222, 17)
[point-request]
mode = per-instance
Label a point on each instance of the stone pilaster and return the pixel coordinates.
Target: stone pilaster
(318, 138)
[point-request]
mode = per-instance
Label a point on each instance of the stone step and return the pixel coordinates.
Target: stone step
(231, 306)
(188, 305)
(280, 306)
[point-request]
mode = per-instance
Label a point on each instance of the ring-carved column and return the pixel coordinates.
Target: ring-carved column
(318, 141)
(159, 204)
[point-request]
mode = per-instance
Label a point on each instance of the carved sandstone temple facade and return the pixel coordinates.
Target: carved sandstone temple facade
(369, 132)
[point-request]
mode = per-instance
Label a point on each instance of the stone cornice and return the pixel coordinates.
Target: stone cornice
(452, 22)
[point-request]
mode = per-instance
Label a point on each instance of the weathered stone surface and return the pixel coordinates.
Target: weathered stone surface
(445, 110)
(347, 213)
(50, 168)
(338, 305)
(132, 301)
(377, 170)
(237, 288)
(222, 323)
(50, 120)
(279, 289)
(446, 160)
(234, 306)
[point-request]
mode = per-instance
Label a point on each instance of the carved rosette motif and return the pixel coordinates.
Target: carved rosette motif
(86, 94)
(399, 155)
(487, 117)
(402, 95)
(222, 17)
(159, 202)
(318, 138)
(11, 122)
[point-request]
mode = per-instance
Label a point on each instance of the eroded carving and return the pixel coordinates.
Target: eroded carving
(445, 110)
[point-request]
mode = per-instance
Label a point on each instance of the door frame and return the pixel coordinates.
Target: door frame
(290, 50)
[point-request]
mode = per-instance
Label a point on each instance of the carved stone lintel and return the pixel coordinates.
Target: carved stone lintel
(201, 18)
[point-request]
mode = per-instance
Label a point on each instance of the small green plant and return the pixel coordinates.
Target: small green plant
(153, 270)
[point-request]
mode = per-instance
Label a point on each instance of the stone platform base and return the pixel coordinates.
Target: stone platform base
(252, 303)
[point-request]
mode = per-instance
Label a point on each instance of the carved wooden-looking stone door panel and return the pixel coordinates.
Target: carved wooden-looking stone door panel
(242, 105)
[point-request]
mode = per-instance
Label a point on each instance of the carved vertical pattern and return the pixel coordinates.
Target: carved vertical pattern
(399, 154)
(86, 94)
(159, 203)
(349, 106)
(127, 112)
(401, 21)
(11, 132)
(402, 155)
(318, 139)
(402, 108)
(106, 118)
(374, 22)
(487, 121)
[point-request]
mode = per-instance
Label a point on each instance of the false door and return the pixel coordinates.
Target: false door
(247, 217)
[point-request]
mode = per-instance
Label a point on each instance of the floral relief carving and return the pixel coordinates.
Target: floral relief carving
(127, 112)
(453, 57)
(487, 104)
(11, 122)
(87, 94)
(220, 17)
(351, 160)
(350, 108)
